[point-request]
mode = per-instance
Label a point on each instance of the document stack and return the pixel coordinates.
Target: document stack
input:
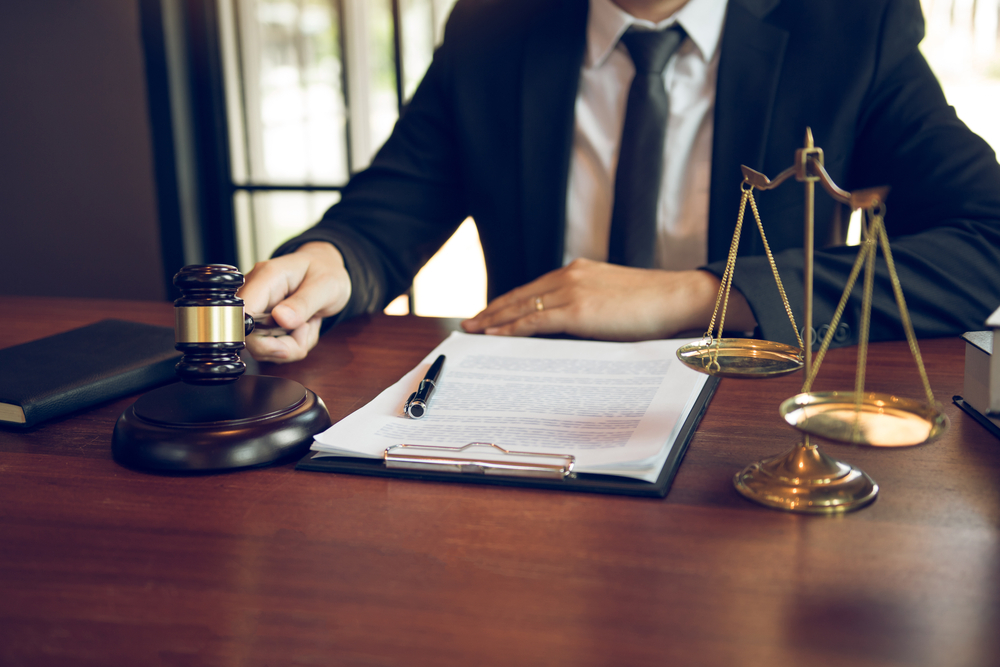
(981, 392)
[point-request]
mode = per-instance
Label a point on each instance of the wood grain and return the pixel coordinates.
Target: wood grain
(100, 565)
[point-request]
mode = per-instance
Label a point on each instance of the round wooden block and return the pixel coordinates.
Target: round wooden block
(192, 428)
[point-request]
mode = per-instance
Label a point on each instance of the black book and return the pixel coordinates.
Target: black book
(60, 374)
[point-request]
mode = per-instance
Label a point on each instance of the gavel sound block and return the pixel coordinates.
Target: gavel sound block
(217, 418)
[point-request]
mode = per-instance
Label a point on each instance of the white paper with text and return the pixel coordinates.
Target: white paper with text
(616, 407)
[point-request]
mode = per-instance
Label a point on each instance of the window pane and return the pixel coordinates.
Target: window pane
(417, 19)
(294, 110)
(437, 292)
(285, 64)
(422, 28)
(271, 218)
(383, 105)
(453, 282)
(963, 48)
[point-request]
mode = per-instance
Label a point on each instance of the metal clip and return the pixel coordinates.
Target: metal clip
(484, 458)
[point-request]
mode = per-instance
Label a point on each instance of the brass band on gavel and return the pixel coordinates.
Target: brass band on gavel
(209, 324)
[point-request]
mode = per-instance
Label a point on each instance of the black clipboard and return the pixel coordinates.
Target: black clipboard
(586, 482)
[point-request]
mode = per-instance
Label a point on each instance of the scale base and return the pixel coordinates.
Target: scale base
(806, 480)
(183, 428)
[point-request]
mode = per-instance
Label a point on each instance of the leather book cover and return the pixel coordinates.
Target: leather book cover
(60, 374)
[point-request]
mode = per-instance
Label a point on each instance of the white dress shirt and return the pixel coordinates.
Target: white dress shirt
(607, 73)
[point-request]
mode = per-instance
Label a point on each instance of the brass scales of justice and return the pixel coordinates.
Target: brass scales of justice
(805, 479)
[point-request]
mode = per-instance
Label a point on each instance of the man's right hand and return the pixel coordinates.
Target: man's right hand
(298, 290)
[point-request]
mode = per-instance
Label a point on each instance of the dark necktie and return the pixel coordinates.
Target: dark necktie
(640, 159)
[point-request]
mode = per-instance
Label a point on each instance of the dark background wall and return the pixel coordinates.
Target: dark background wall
(78, 210)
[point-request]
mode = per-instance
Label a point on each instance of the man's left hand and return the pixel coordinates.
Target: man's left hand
(609, 302)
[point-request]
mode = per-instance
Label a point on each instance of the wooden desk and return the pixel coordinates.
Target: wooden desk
(100, 565)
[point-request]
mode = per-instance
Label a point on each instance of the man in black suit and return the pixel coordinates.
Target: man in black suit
(491, 133)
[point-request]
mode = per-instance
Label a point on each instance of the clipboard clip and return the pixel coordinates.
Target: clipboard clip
(480, 458)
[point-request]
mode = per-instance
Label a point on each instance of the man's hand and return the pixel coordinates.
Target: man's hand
(298, 290)
(610, 302)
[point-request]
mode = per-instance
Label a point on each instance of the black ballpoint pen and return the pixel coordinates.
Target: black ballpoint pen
(416, 405)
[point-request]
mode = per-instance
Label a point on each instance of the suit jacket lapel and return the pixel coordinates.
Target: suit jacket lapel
(749, 69)
(551, 73)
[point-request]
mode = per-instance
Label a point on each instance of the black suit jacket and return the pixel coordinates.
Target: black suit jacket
(489, 134)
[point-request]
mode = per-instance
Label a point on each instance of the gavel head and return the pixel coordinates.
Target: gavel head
(210, 325)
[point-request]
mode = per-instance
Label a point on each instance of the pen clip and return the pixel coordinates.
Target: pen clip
(406, 405)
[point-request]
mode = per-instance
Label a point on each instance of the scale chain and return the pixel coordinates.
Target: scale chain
(774, 270)
(711, 362)
(727, 276)
(904, 313)
(875, 236)
(730, 265)
(828, 338)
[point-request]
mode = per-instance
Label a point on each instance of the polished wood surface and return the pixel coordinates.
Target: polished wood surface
(101, 565)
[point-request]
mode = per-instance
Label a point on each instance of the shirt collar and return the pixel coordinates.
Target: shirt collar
(701, 19)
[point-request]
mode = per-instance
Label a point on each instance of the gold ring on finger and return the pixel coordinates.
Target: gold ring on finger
(538, 304)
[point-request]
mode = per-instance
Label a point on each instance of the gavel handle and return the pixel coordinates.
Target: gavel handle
(265, 326)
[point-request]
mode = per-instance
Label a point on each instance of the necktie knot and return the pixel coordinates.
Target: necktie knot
(650, 50)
